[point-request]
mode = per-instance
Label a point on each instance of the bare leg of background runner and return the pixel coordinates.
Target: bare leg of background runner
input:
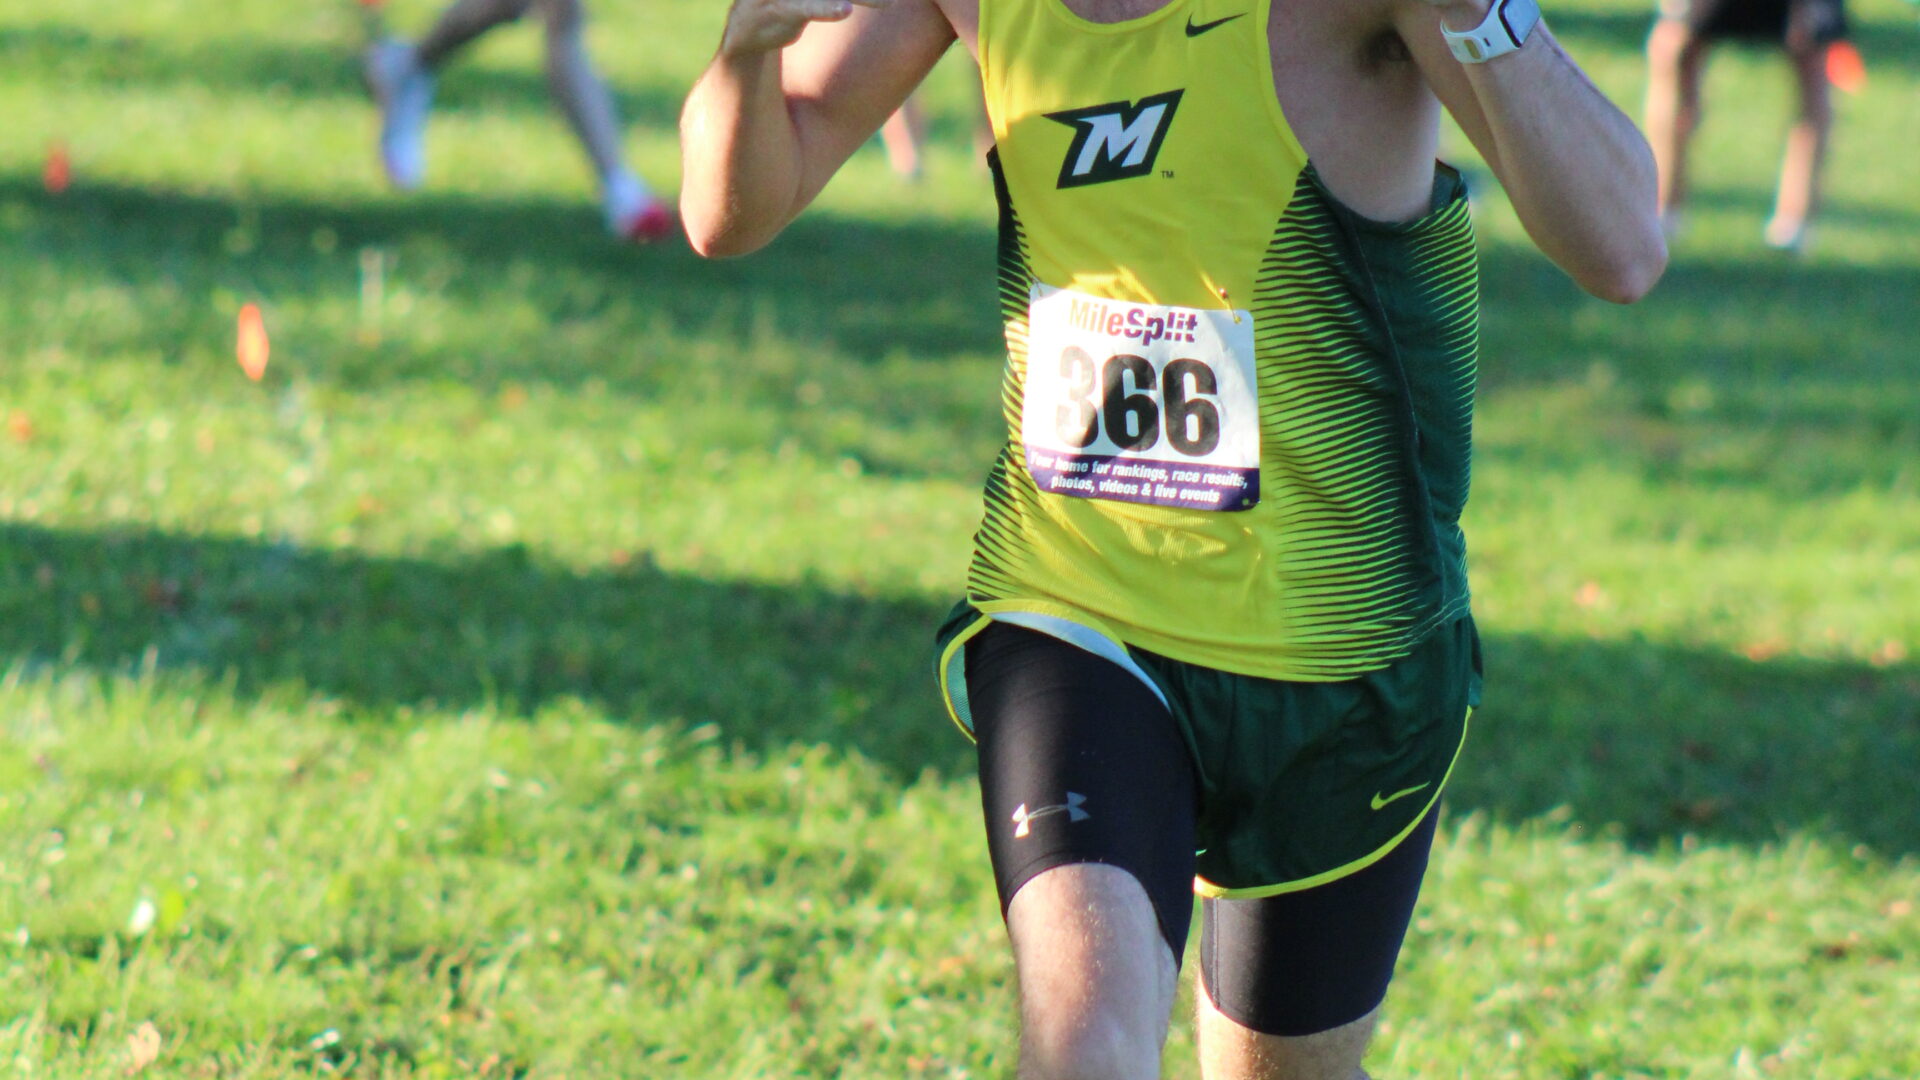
(903, 134)
(1799, 193)
(1675, 59)
(582, 96)
(1096, 977)
(631, 210)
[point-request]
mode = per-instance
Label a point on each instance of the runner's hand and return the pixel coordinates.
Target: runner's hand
(760, 26)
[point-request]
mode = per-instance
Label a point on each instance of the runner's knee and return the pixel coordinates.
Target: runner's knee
(1096, 981)
(1667, 42)
(1816, 99)
(1679, 51)
(1100, 1047)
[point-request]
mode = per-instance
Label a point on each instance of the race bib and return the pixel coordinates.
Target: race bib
(1141, 403)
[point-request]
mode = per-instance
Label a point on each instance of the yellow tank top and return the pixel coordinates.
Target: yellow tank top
(1238, 414)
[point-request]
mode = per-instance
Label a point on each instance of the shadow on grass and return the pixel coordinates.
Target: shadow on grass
(1655, 739)
(1758, 320)
(498, 627)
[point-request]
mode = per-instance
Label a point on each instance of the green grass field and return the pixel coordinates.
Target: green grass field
(531, 676)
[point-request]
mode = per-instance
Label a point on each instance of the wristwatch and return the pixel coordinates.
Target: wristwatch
(1504, 30)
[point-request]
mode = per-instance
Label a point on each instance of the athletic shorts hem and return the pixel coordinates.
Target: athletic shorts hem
(1205, 888)
(1281, 1031)
(951, 670)
(1175, 939)
(969, 617)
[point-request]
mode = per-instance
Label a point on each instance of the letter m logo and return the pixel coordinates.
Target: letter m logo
(1117, 140)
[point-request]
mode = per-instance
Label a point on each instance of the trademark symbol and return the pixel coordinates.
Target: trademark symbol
(1166, 174)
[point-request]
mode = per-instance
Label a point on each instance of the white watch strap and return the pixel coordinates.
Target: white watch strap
(1505, 29)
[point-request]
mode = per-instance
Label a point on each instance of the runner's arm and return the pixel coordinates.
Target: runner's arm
(773, 117)
(1578, 172)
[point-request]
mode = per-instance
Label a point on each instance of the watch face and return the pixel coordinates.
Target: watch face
(1518, 17)
(1505, 29)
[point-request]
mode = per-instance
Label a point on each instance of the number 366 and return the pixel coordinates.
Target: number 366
(1129, 404)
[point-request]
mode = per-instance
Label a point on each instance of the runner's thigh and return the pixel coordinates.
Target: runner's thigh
(1305, 962)
(1080, 762)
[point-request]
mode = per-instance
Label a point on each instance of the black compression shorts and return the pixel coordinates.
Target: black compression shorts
(1790, 23)
(1080, 762)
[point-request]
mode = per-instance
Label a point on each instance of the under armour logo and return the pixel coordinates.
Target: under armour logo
(1023, 818)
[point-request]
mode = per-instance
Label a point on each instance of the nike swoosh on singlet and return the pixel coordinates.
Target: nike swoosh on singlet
(1196, 31)
(1380, 801)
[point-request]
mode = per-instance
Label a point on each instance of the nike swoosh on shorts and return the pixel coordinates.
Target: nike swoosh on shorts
(1380, 802)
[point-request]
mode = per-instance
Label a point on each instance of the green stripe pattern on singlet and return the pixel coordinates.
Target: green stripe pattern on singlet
(1441, 355)
(1366, 335)
(998, 545)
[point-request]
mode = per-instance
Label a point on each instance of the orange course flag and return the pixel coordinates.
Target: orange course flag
(252, 342)
(59, 171)
(1845, 69)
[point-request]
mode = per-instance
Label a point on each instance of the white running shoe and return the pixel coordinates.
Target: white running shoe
(1792, 237)
(632, 211)
(404, 90)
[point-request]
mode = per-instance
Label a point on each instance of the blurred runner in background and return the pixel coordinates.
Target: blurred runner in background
(401, 76)
(1676, 55)
(905, 136)
(902, 134)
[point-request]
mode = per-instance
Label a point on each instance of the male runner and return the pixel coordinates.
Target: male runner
(1216, 634)
(1676, 64)
(401, 76)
